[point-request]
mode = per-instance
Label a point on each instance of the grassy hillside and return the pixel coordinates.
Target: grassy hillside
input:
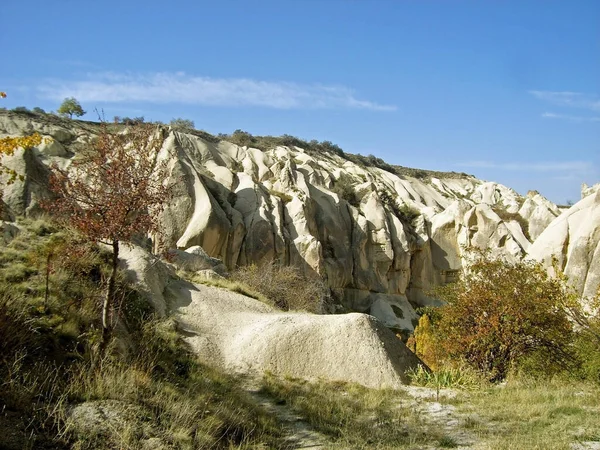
(149, 391)
(148, 381)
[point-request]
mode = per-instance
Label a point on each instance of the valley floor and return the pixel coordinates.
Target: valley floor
(517, 415)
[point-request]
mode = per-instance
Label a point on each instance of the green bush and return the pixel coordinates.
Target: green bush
(344, 188)
(407, 214)
(285, 198)
(182, 124)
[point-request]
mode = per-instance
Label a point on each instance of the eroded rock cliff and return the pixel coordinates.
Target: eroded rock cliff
(381, 240)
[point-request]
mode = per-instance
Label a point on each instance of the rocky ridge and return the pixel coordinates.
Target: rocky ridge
(381, 240)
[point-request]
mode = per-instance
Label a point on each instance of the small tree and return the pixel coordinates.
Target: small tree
(500, 314)
(69, 107)
(182, 124)
(112, 193)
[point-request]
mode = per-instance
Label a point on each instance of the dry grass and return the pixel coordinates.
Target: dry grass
(285, 286)
(357, 417)
(528, 415)
(148, 378)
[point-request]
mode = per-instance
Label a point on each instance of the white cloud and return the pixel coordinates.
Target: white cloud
(549, 115)
(569, 99)
(544, 166)
(183, 88)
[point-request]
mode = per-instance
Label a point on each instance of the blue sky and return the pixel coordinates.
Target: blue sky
(506, 90)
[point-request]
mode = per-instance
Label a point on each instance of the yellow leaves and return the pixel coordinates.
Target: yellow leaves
(8, 145)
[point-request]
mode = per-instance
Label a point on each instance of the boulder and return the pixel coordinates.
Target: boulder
(148, 273)
(243, 335)
(194, 259)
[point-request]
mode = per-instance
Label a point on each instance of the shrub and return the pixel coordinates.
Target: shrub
(407, 213)
(286, 286)
(133, 121)
(344, 188)
(427, 344)
(285, 198)
(501, 314)
(182, 124)
(404, 212)
(587, 338)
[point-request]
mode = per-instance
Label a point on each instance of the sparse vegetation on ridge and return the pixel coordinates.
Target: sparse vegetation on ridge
(264, 143)
(314, 147)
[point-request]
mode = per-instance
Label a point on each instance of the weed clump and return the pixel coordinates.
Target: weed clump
(285, 286)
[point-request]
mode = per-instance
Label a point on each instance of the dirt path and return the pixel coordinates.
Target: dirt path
(299, 434)
(445, 417)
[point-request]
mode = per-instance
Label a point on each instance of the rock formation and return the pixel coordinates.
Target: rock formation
(573, 239)
(243, 335)
(380, 240)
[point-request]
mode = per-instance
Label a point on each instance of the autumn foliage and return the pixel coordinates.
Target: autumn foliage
(499, 315)
(8, 145)
(113, 192)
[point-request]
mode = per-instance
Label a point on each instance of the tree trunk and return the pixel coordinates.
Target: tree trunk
(109, 298)
(46, 295)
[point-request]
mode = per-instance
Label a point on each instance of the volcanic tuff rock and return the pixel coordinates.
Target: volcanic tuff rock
(380, 240)
(574, 239)
(243, 335)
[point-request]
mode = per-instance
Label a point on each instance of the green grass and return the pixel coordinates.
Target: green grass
(49, 361)
(522, 414)
(231, 285)
(158, 390)
(356, 417)
(534, 414)
(444, 378)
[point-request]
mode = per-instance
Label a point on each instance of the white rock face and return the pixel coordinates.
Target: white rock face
(148, 273)
(539, 212)
(380, 250)
(589, 190)
(246, 336)
(573, 239)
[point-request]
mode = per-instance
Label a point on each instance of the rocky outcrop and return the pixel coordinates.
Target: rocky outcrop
(573, 240)
(243, 335)
(539, 212)
(380, 240)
